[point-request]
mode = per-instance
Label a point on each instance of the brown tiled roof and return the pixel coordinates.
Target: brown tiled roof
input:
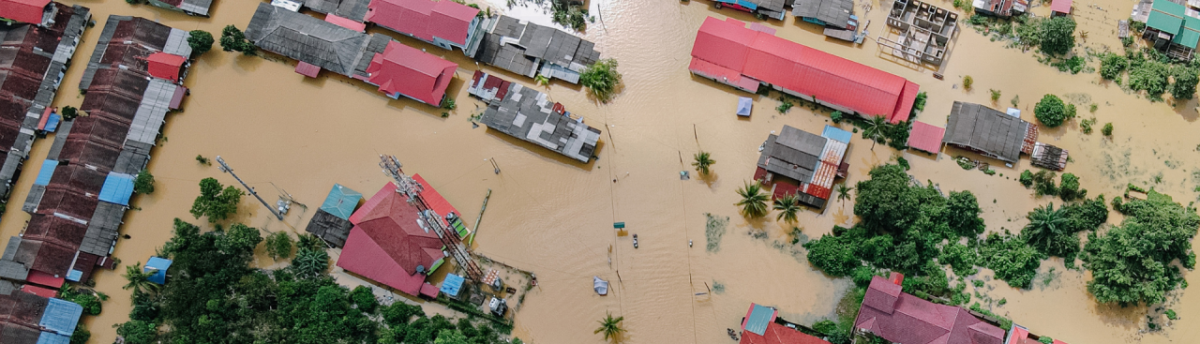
(50, 228)
(58, 199)
(54, 259)
(142, 31)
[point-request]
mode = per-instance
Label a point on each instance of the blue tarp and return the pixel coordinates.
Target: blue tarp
(833, 133)
(744, 105)
(341, 201)
(61, 316)
(452, 285)
(53, 338)
(159, 266)
(74, 275)
(47, 171)
(52, 123)
(118, 187)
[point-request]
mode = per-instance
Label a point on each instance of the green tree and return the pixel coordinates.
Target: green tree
(310, 262)
(81, 335)
(144, 182)
(1011, 259)
(1050, 111)
(968, 81)
(919, 102)
(1057, 35)
(451, 337)
(1107, 130)
(138, 332)
(874, 129)
(1048, 231)
(1026, 178)
(1134, 263)
(1184, 85)
(1149, 76)
(1068, 189)
(1112, 65)
(601, 79)
(69, 113)
(754, 201)
(138, 280)
(279, 245)
(232, 39)
(962, 214)
(201, 42)
(216, 203)
(787, 206)
(364, 299)
(610, 327)
(239, 239)
(834, 254)
(702, 161)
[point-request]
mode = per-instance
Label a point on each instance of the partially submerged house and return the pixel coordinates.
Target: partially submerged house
(331, 222)
(989, 132)
(82, 191)
(1020, 335)
(1173, 29)
(926, 137)
(312, 41)
(923, 32)
(530, 49)
(899, 317)
(762, 326)
(33, 60)
(1060, 8)
(800, 163)
(729, 53)
(444, 23)
(1048, 156)
(837, 14)
(190, 7)
(401, 70)
(773, 9)
(391, 244)
(27, 318)
(529, 115)
(1001, 8)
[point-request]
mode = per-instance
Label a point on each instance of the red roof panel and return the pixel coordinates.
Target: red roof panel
(1061, 6)
(25, 11)
(424, 19)
(387, 244)
(911, 320)
(39, 291)
(307, 69)
(165, 66)
(926, 137)
(779, 334)
(346, 23)
(435, 200)
(405, 70)
(45, 279)
(367, 258)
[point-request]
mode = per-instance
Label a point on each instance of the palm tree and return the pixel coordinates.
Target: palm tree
(139, 280)
(1045, 224)
(874, 129)
(703, 161)
(843, 192)
(787, 206)
(611, 327)
(754, 202)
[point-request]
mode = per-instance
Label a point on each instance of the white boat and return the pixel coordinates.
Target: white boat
(600, 285)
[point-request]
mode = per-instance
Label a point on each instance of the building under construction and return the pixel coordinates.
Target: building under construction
(920, 32)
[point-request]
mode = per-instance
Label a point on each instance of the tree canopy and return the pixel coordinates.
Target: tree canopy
(216, 201)
(1051, 111)
(601, 79)
(232, 39)
(1134, 262)
(1057, 35)
(144, 182)
(201, 42)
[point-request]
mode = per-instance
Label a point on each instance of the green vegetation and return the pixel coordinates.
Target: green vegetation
(1068, 188)
(1085, 126)
(962, 259)
(843, 192)
(968, 81)
(1107, 130)
(1050, 111)
(87, 298)
(144, 182)
(836, 116)
(919, 102)
(448, 103)
(874, 129)
(135, 2)
(601, 79)
(1026, 178)
(201, 42)
(1171, 315)
(1132, 263)
(702, 161)
(570, 13)
(1184, 85)
(1057, 35)
(138, 279)
(69, 113)
(81, 335)
(232, 39)
(785, 105)
(1150, 76)
(279, 245)
(1112, 65)
(1043, 183)
(216, 201)
(787, 206)
(995, 95)
(610, 327)
(754, 201)
(1016, 100)
(202, 160)
(1011, 259)
(714, 229)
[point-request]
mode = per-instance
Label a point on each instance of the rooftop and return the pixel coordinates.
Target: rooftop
(1170, 17)
(902, 318)
(25, 11)
(809, 159)
(926, 137)
(424, 19)
(389, 245)
(404, 70)
(302, 37)
(529, 115)
(988, 131)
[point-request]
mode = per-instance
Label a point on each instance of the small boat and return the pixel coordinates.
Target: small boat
(600, 285)
(635, 241)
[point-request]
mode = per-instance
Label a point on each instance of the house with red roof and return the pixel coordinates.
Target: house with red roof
(404, 70)
(35, 12)
(446, 24)
(760, 326)
(732, 54)
(165, 66)
(1060, 8)
(899, 317)
(1020, 335)
(390, 244)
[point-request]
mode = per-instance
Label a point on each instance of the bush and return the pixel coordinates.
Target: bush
(69, 113)
(143, 184)
(1026, 178)
(1068, 189)
(1012, 259)
(364, 298)
(1107, 130)
(1086, 125)
(279, 245)
(1184, 85)
(1043, 183)
(919, 103)
(1057, 35)
(1136, 26)
(1149, 76)
(232, 39)
(1112, 65)
(201, 42)
(1050, 111)
(601, 79)
(836, 116)
(995, 95)
(968, 81)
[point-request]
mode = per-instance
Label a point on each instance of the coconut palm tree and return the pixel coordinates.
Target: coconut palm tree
(787, 206)
(874, 129)
(843, 192)
(754, 201)
(703, 161)
(611, 327)
(139, 280)
(1045, 224)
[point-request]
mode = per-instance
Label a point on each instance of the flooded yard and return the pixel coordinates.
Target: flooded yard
(554, 217)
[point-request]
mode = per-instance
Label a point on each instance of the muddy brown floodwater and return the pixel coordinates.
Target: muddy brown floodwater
(554, 217)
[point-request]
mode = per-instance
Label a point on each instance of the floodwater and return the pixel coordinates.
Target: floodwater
(552, 216)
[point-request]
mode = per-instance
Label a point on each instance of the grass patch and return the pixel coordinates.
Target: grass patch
(714, 229)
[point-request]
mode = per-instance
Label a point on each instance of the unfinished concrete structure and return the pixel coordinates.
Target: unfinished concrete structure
(920, 32)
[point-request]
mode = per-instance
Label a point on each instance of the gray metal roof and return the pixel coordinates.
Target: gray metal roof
(305, 38)
(520, 47)
(10, 249)
(13, 270)
(985, 130)
(152, 112)
(6, 287)
(329, 227)
(527, 114)
(351, 9)
(133, 157)
(376, 45)
(773, 5)
(102, 229)
(199, 7)
(793, 153)
(506, 56)
(832, 12)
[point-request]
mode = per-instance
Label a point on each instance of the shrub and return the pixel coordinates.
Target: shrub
(1043, 183)
(919, 102)
(69, 113)
(1026, 178)
(601, 79)
(1057, 35)
(1184, 85)
(836, 116)
(1068, 189)
(995, 95)
(968, 81)
(1107, 130)
(1086, 125)
(1149, 76)
(1050, 111)
(1112, 65)
(201, 42)
(143, 183)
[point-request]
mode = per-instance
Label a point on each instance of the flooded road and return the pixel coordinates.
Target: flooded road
(554, 217)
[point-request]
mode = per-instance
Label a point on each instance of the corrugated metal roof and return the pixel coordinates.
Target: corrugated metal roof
(118, 187)
(341, 201)
(152, 112)
(990, 132)
(926, 137)
(452, 284)
(47, 170)
(305, 38)
(159, 267)
(61, 316)
(757, 318)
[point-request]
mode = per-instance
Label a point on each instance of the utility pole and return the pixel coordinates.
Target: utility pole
(225, 168)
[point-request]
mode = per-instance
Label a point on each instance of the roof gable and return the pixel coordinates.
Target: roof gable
(405, 70)
(393, 226)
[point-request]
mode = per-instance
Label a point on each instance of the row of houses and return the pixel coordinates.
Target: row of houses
(529, 115)
(82, 191)
(36, 44)
(27, 318)
(728, 52)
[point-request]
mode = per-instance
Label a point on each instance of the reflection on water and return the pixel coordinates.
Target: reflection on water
(555, 218)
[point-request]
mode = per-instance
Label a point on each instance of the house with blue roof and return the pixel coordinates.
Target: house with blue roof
(159, 267)
(1172, 30)
(332, 221)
